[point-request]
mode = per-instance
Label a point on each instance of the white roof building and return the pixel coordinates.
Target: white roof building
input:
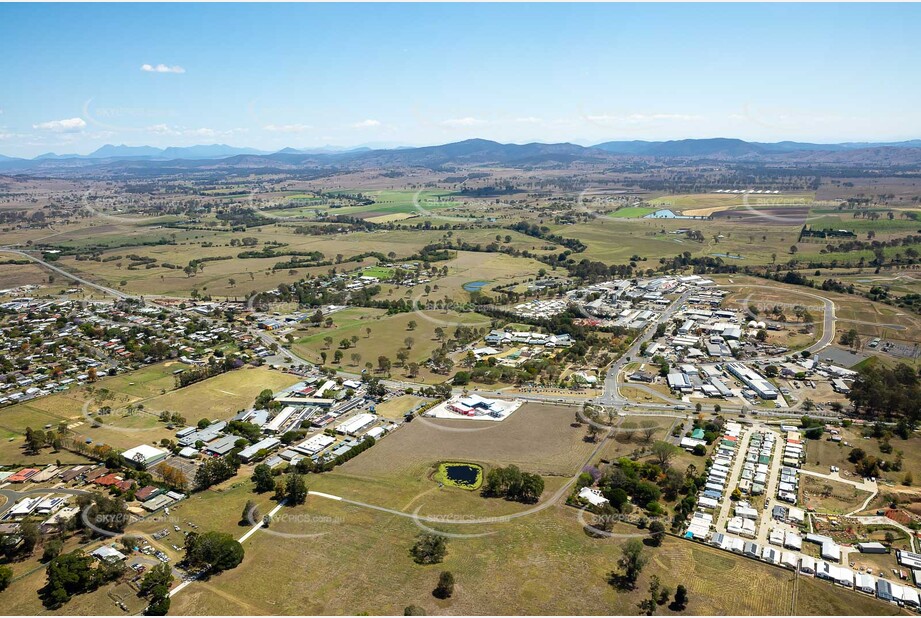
(145, 455)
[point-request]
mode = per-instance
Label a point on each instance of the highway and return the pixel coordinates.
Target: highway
(64, 273)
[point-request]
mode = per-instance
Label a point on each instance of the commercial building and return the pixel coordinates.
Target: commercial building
(145, 456)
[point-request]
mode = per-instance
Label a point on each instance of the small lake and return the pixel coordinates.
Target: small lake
(474, 286)
(467, 476)
(666, 213)
(661, 214)
(731, 257)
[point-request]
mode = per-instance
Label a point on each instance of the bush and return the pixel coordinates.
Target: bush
(429, 549)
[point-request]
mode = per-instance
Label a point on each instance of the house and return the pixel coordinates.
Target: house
(769, 554)
(807, 565)
(592, 496)
(108, 553)
(146, 493)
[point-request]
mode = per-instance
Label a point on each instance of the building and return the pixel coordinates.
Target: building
(752, 380)
(145, 456)
(266, 444)
(592, 496)
(314, 445)
(872, 548)
(356, 423)
(107, 553)
(221, 446)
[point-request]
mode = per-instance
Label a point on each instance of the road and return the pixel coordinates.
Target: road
(64, 273)
(612, 396)
(829, 317)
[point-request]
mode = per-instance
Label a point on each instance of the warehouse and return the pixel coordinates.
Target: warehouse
(356, 423)
(753, 380)
(314, 445)
(872, 548)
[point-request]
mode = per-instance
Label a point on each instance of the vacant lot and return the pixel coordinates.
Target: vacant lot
(396, 472)
(388, 334)
(537, 438)
(359, 563)
(820, 454)
(827, 496)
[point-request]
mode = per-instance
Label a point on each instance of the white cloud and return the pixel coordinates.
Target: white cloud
(161, 68)
(367, 124)
(634, 119)
(68, 125)
(467, 121)
(164, 129)
(287, 128)
(528, 120)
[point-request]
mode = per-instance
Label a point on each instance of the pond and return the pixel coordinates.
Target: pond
(463, 475)
(474, 286)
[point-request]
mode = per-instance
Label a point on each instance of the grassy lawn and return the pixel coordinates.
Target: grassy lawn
(631, 212)
(397, 408)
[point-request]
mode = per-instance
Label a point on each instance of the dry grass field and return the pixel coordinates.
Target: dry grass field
(827, 496)
(506, 572)
(153, 387)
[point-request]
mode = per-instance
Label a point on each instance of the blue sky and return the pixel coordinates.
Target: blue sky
(73, 76)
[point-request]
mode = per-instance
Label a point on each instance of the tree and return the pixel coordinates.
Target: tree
(264, 398)
(160, 575)
(664, 452)
(295, 489)
(649, 431)
(413, 610)
(250, 513)
(411, 325)
(656, 532)
(648, 605)
(429, 549)
(218, 550)
(681, 598)
(262, 477)
(52, 550)
(159, 605)
(445, 587)
(409, 341)
(632, 562)
(6, 576)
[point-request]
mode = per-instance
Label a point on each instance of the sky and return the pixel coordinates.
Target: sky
(75, 77)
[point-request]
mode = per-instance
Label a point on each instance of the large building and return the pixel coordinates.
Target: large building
(145, 456)
(753, 380)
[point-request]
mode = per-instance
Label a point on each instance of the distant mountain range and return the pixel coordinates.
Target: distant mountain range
(735, 147)
(468, 152)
